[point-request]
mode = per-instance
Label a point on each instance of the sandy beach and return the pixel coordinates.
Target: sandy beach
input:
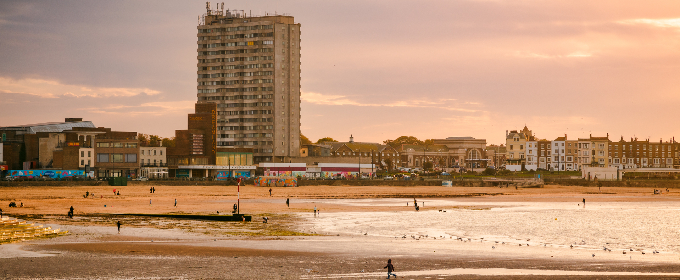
(472, 233)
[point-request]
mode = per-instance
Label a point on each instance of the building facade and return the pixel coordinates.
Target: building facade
(249, 66)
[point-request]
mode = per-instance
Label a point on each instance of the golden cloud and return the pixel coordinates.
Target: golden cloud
(55, 89)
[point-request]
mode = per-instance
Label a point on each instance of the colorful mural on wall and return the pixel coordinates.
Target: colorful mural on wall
(275, 181)
(224, 175)
(54, 174)
(285, 173)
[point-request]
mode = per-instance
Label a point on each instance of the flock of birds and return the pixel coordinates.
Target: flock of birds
(583, 242)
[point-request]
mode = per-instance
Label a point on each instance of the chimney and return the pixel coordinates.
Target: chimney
(351, 138)
(506, 134)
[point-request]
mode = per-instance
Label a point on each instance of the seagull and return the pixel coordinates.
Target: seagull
(631, 249)
(643, 252)
(624, 252)
(493, 247)
(571, 246)
(593, 255)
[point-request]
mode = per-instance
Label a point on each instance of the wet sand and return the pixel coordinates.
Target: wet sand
(285, 248)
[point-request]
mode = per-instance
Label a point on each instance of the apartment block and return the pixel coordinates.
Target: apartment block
(249, 66)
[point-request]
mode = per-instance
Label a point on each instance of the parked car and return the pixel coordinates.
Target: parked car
(142, 178)
(388, 178)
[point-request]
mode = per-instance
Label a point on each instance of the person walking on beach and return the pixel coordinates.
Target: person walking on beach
(175, 202)
(288, 202)
(315, 210)
(584, 203)
(390, 268)
(270, 191)
(70, 212)
(0, 213)
(151, 190)
(118, 224)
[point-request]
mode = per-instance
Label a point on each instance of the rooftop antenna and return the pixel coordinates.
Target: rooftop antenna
(207, 7)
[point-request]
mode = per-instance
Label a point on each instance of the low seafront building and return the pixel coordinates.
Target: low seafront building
(72, 145)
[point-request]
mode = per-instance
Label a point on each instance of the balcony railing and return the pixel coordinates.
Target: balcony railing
(154, 165)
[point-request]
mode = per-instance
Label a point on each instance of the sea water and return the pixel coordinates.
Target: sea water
(641, 226)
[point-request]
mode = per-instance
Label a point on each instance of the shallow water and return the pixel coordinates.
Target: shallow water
(641, 226)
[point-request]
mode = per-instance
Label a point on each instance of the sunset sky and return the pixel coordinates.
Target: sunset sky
(374, 69)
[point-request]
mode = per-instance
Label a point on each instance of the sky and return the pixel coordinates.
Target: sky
(376, 70)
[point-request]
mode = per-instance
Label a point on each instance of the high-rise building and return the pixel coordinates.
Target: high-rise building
(250, 67)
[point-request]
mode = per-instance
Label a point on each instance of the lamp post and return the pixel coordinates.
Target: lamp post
(359, 173)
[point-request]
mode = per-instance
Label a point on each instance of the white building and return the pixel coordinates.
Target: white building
(153, 162)
(559, 160)
(531, 155)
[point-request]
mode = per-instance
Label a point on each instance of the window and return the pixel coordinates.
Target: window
(89, 153)
(154, 152)
(82, 154)
(161, 152)
(510, 147)
(142, 152)
(130, 157)
(117, 157)
(82, 162)
(103, 157)
(521, 147)
(103, 145)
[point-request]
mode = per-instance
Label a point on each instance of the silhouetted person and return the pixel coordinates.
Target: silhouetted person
(118, 224)
(288, 202)
(151, 190)
(270, 191)
(390, 268)
(175, 202)
(584, 203)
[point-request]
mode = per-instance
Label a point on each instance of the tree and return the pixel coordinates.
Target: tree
(403, 140)
(304, 140)
(428, 142)
(427, 165)
(169, 142)
(154, 140)
(326, 139)
(143, 139)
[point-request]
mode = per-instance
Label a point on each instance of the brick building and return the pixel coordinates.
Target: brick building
(196, 153)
